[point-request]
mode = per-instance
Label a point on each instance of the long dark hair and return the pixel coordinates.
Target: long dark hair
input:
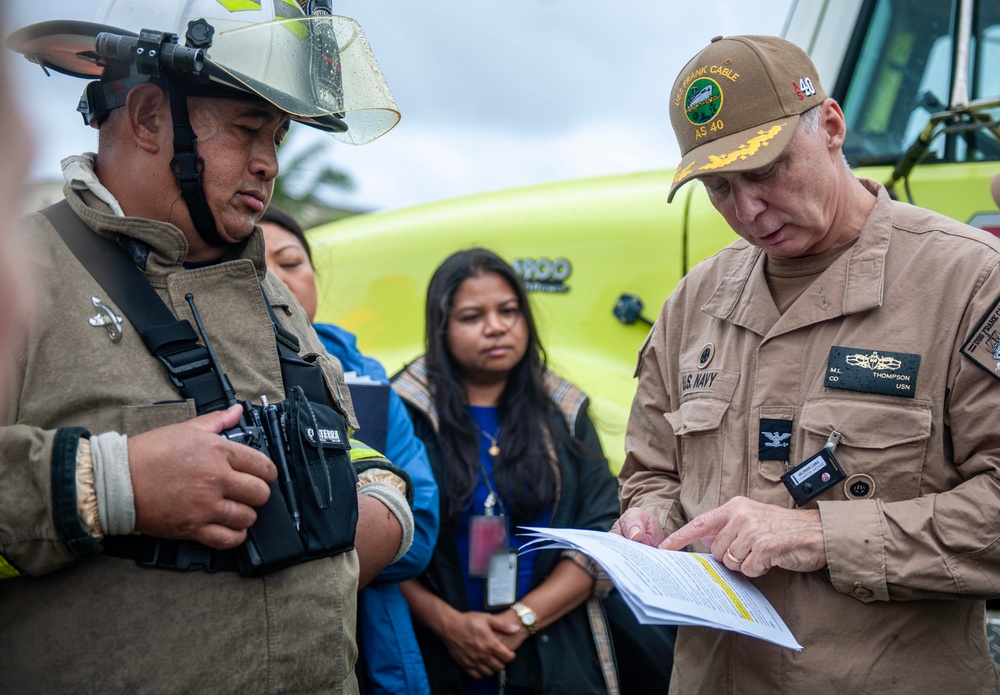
(524, 475)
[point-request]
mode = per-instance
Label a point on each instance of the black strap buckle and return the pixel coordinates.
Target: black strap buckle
(164, 553)
(187, 167)
(186, 363)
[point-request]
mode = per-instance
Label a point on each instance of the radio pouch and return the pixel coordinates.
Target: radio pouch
(318, 441)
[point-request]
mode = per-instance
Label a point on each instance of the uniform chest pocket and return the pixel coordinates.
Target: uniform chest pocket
(705, 398)
(701, 446)
(883, 446)
(698, 417)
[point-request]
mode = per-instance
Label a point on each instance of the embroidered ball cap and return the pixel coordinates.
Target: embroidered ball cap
(735, 106)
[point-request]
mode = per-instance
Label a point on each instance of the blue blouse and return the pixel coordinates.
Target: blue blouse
(488, 420)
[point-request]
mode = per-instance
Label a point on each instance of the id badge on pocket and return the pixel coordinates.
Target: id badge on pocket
(501, 583)
(487, 539)
(815, 475)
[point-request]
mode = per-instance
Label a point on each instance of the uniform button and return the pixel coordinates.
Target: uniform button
(544, 638)
(861, 591)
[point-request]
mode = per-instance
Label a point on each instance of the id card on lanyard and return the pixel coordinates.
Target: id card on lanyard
(490, 556)
(501, 582)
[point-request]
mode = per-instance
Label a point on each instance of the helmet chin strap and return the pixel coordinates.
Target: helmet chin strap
(187, 166)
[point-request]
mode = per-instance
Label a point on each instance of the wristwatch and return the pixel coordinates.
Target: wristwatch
(527, 617)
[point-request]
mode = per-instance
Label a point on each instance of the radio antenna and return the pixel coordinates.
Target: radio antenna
(227, 388)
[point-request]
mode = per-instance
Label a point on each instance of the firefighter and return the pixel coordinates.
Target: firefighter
(137, 545)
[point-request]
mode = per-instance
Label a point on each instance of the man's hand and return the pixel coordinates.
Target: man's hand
(474, 645)
(753, 537)
(639, 525)
(189, 482)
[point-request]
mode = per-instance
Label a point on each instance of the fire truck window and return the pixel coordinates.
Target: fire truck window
(904, 74)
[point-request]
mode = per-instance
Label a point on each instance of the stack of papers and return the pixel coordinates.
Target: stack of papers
(353, 377)
(671, 587)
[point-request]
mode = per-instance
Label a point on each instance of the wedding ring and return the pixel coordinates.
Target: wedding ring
(735, 559)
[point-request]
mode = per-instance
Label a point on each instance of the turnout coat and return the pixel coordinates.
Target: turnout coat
(85, 622)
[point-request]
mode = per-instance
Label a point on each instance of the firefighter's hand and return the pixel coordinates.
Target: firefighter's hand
(191, 483)
(640, 526)
(752, 537)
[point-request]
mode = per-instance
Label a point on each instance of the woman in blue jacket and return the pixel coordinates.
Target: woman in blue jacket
(391, 659)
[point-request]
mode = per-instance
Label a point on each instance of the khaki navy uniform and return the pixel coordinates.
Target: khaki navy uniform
(83, 622)
(913, 534)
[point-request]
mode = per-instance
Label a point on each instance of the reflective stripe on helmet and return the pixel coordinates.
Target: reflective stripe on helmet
(239, 5)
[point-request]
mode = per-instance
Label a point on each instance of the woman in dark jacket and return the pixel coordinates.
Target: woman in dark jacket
(510, 444)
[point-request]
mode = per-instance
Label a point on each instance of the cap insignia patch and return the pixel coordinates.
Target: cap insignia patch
(703, 101)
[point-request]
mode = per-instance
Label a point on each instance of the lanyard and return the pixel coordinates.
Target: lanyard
(492, 499)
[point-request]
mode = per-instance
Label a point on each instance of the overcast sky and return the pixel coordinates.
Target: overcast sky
(493, 94)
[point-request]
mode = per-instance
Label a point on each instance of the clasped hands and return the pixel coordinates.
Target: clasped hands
(483, 643)
(746, 536)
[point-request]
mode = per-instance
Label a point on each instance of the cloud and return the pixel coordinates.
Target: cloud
(431, 164)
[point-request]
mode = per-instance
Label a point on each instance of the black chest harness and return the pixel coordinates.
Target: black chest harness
(312, 511)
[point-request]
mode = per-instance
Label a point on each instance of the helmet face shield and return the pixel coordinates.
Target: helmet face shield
(309, 67)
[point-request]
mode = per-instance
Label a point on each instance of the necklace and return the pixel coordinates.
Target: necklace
(494, 447)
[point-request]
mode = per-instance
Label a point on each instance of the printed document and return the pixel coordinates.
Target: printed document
(672, 587)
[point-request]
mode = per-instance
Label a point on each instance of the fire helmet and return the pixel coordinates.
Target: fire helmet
(315, 66)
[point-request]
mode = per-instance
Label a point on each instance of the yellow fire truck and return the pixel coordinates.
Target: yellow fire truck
(919, 82)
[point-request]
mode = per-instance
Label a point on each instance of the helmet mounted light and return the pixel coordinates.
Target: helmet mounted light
(151, 55)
